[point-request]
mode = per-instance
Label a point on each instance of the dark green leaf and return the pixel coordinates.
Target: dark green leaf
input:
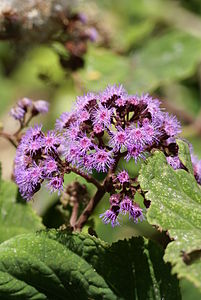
(43, 268)
(62, 265)
(123, 273)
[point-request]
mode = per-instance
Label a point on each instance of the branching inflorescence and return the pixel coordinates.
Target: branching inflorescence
(100, 130)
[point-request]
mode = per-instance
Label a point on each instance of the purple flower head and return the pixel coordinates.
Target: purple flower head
(121, 101)
(25, 183)
(118, 139)
(151, 131)
(112, 91)
(35, 173)
(126, 205)
(55, 184)
(17, 113)
(63, 121)
(102, 160)
(36, 160)
(25, 103)
(111, 123)
(196, 166)
(50, 166)
(133, 100)
(136, 213)
(84, 144)
(135, 152)
(98, 128)
(194, 158)
(35, 131)
(82, 18)
(51, 141)
(84, 162)
(73, 153)
(84, 115)
(101, 129)
(137, 136)
(174, 162)
(123, 177)
(72, 132)
(153, 105)
(40, 107)
(32, 140)
(171, 125)
(115, 199)
(102, 115)
(85, 102)
(197, 170)
(110, 216)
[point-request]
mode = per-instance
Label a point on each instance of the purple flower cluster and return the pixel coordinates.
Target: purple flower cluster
(196, 167)
(37, 160)
(103, 126)
(100, 130)
(111, 124)
(175, 162)
(25, 104)
(121, 204)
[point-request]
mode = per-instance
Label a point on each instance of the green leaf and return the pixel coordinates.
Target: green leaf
(44, 266)
(175, 206)
(40, 59)
(186, 98)
(103, 67)
(15, 217)
(165, 59)
(184, 155)
(62, 265)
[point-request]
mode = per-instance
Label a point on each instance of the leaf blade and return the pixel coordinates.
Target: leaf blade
(175, 206)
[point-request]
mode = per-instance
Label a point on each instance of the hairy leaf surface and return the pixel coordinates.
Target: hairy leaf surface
(175, 206)
(62, 265)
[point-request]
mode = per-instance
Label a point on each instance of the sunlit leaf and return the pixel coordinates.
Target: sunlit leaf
(175, 206)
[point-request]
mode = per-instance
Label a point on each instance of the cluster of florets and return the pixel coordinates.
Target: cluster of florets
(100, 130)
(196, 167)
(121, 203)
(104, 126)
(26, 105)
(37, 159)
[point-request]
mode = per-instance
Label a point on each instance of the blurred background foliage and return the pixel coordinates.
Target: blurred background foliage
(148, 46)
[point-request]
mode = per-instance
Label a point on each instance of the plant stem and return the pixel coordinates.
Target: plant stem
(101, 190)
(9, 138)
(87, 177)
(89, 208)
(74, 214)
